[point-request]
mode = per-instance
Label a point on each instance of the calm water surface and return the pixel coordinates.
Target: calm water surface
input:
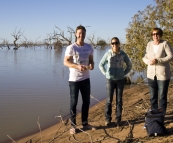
(34, 83)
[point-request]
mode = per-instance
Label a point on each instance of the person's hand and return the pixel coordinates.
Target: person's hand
(84, 67)
(153, 62)
(90, 67)
(81, 67)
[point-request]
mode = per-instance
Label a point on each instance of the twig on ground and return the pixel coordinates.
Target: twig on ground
(99, 140)
(75, 138)
(55, 134)
(83, 132)
(97, 100)
(11, 139)
(29, 141)
(99, 109)
(126, 118)
(123, 126)
(69, 139)
(111, 136)
(60, 118)
(138, 102)
(58, 135)
(63, 123)
(129, 138)
(39, 129)
(145, 103)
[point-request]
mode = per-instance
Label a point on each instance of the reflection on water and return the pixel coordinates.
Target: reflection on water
(34, 83)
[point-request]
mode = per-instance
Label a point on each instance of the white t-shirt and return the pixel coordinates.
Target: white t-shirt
(80, 56)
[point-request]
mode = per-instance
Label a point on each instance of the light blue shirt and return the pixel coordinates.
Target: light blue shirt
(117, 65)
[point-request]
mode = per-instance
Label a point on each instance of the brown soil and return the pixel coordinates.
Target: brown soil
(136, 103)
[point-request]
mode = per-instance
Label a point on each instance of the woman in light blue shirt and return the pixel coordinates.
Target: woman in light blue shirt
(114, 59)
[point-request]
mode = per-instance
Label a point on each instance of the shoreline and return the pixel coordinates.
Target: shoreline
(51, 127)
(135, 104)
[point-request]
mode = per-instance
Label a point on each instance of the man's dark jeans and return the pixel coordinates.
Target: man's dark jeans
(158, 93)
(84, 88)
(111, 85)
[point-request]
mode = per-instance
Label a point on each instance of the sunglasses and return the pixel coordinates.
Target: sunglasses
(155, 34)
(115, 43)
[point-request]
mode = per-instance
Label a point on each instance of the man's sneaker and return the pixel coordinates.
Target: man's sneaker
(107, 123)
(72, 130)
(89, 127)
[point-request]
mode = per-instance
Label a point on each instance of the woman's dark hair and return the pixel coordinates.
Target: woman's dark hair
(115, 39)
(158, 30)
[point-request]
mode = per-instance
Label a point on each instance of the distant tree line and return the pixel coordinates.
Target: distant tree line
(56, 40)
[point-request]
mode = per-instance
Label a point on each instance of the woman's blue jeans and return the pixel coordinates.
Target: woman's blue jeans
(84, 88)
(112, 85)
(158, 93)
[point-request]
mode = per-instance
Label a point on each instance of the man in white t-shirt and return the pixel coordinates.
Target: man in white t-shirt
(79, 59)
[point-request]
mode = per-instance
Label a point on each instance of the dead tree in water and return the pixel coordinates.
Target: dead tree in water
(36, 42)
(25, 42)
(62, 37)
(57, 42)
(5, 43)
(93, 40)
(48, 41)
(17, 36)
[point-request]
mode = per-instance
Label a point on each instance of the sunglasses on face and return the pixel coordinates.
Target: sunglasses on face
(155, 34)
(115, 43)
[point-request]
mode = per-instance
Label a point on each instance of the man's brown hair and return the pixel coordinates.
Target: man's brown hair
(80, 27)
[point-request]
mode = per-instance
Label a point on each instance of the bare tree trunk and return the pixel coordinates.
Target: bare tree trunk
(17, 36)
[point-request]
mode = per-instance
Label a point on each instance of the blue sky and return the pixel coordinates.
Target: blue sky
(37, 18)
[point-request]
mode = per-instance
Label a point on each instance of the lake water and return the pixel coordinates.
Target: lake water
(34, 83)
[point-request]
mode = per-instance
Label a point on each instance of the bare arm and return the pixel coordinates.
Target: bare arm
(68, 62)
(91, 62)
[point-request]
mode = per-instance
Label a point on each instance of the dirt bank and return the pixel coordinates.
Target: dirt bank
(136, 103)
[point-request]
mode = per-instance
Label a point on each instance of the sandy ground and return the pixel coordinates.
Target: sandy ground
(135, 104)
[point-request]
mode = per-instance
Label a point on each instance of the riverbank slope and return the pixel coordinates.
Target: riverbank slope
(135, 104)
